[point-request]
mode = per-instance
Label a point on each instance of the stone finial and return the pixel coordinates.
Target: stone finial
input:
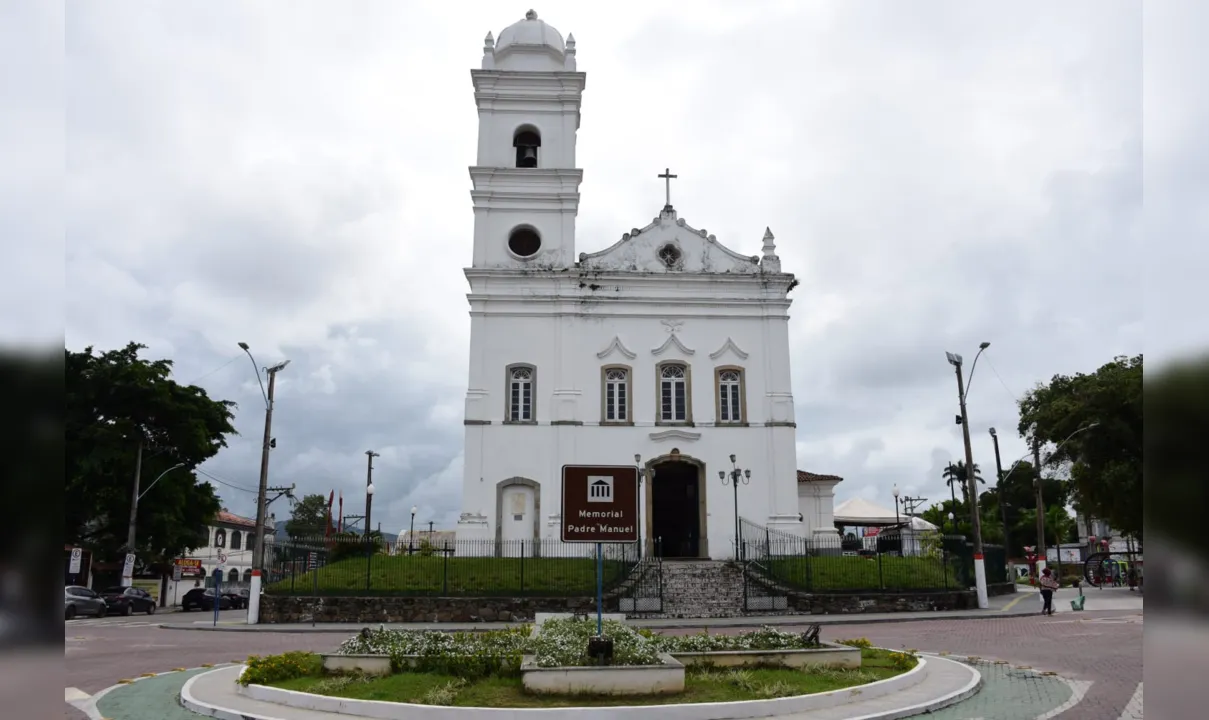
(770, 261)
(489, 52)
(569, 53)
(770, 247)
(531, 15)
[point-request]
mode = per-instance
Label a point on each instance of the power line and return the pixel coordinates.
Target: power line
(220, 367)
(224, 482)
(1001, 382)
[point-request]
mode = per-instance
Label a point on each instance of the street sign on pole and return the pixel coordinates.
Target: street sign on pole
(77, 556)
(176, 573)
(599, 504)
(128, 566)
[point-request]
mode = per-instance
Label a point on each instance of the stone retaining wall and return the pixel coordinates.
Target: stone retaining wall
(286, 609)
(848, 603)
(994, 589)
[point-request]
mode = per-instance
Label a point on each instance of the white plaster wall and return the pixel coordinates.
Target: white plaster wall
(563, 338)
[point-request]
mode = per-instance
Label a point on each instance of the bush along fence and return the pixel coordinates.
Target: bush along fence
(892, 562)
(355, 566)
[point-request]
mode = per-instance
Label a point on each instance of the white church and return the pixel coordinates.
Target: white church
(665, 345)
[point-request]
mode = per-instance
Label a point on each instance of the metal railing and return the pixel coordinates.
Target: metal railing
(468, 568)
(891, 562)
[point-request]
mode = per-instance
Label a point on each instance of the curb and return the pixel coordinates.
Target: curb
(89, 706)
(685, 624)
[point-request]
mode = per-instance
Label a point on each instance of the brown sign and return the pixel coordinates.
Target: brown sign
(600, 503)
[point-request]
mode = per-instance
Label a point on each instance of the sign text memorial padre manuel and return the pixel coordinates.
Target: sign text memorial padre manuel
(600, 503)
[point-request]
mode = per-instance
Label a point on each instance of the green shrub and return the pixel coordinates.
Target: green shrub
(275, 668)
(564, 642)
(862, 643)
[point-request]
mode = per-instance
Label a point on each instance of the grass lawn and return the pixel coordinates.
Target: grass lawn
(484, 576)
(858, 573)
(701, 685)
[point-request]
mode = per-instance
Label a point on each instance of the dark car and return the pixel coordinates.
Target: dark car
(128, 600)
(203, 599)
(238, 598)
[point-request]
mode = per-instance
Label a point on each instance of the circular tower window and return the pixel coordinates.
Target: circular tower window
(524, 242)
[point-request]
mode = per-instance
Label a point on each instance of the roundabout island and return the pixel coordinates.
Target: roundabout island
(561, 664)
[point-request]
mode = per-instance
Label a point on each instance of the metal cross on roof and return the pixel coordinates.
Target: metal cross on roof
(667, 181)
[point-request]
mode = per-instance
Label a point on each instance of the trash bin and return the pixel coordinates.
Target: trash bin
(1077, 603)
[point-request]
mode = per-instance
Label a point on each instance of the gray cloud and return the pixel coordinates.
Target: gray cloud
(294, 176)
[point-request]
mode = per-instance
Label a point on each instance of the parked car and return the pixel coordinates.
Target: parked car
(128, 600)
(238, 598)
(82, 601)
(203, 599)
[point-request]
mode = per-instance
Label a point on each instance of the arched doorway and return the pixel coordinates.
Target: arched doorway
(675, 501)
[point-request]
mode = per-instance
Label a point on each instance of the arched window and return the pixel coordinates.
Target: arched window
(616, 395)
(235, 540)
(526, 141)
(233, 576)
(247, 575)
(730, 395)
(673, 393)
(521, 380)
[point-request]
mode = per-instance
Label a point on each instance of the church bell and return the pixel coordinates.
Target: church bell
(526, 157)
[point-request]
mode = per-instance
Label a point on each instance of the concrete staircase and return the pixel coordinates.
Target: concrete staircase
(701, 589)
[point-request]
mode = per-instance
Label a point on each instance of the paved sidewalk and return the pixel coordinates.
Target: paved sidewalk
(1004, 606)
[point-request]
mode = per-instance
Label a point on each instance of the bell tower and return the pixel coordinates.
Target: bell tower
(526, 185)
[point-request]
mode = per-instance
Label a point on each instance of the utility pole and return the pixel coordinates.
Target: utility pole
(369, 487)
(263, 488)
(980, 579)
(128, 578)
(1007, 543)
(1040, 505)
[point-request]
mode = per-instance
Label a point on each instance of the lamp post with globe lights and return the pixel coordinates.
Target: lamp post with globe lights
(411, 534)
(734, 478)
(963, 390)
(263, 489)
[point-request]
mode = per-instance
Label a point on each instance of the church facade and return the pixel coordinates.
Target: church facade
(666, 348)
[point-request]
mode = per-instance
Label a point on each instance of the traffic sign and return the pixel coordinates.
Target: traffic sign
(600, 504)
(128, 566)
(222, 558)
(77, 555)
(176, 573)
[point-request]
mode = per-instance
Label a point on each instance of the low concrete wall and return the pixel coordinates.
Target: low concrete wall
(285, 609)
(829, 655)
(368, 664)
(665, 679)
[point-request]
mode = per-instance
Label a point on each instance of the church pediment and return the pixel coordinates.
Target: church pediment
(670, 245)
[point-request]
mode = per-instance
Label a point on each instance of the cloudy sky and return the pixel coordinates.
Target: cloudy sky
(293, 175)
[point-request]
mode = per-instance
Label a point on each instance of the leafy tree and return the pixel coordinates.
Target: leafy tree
(1106, 459)
(308, 519)
(114, 401)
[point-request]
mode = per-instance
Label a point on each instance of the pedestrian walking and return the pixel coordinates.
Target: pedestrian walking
(1048, 585)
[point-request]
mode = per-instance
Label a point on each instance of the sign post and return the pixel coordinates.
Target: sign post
(599, 505)
(77, 555)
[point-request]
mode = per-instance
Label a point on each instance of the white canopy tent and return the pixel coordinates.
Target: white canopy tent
(862, 513)
(859, 512)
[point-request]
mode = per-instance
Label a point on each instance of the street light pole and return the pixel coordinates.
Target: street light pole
(128, 577)
(1007, 543)
(980, 574)
(263, 489)
(369, 484)
(1041, 557)
(736, 476)
(411, 534)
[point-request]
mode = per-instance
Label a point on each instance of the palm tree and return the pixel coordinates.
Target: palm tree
(956, 473)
